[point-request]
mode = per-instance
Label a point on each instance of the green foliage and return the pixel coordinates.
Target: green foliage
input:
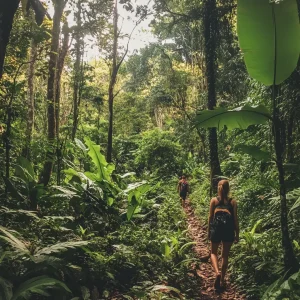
(159, 153)
(241, 117)
(38, 285)
(280, 289)
(24, 186)
(269, 32)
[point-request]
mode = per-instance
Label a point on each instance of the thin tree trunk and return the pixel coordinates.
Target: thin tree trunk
(290, 262)
(7, 12)
(60, 65)
(30, 97)
(77, 71)
(112, 83)
(59, 6)
(290, 126)
(210, 23)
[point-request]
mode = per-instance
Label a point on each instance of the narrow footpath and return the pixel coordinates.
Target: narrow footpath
(205, 271)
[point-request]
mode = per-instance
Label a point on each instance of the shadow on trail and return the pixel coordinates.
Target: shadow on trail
(205, 271)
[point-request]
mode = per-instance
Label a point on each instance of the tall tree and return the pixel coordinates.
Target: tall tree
(112, 82)
(60, 65)
(63, 51)
(210, 30)
(30, 96)
(59, 6)
(77, 68)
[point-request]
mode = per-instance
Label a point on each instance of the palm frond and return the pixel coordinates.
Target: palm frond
(60, 247)
(38, 285)
(28, 213)
(15, 243)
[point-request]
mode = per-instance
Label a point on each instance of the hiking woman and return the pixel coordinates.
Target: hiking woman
(223, 228)
(183, 189)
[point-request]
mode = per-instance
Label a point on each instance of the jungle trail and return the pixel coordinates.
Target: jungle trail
(198, 232)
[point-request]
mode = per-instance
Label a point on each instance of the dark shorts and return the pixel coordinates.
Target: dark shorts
(224, 234)
(183, 195)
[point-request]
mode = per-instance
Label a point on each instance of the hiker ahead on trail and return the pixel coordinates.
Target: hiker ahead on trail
(183, 189)
(223, 228)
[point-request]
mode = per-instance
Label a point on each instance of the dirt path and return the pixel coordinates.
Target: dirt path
(205, 271)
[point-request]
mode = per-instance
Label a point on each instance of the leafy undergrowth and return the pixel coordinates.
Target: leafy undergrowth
(99, 235)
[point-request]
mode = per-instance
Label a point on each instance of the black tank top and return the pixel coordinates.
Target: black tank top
(228, 205)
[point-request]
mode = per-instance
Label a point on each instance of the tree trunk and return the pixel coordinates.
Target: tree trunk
(59, 6)
(290, 262)
(210, 24)
(77, 71)
(7, 12)
(60, 65)
(290, 126)
(30, 98)
(112, 83)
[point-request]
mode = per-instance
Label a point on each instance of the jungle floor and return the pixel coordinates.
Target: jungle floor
(198, 233)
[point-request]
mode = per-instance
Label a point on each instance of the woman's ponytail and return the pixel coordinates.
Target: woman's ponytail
(223, 190)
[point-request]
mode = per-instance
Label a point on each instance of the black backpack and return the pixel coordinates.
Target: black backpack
(223, 216)
(184, 187)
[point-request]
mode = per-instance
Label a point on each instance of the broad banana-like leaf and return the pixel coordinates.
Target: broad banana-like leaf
(269, 31)
(241, 117)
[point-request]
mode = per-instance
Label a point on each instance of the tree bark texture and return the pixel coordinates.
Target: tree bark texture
(290, 262)
(112, 83)
(59, 6)
(290, 126)
(77, 71)
(210, 30)
(30, 96)
(7, 12)
(60, 66)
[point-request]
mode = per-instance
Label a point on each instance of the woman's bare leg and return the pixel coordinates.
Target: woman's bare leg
(225, 253)
(214, 262)
(214, 257)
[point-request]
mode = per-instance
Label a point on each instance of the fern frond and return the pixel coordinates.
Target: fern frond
(59, 218)
(15, 243)
(38, 285)
(60, 247)
(28, 213)
(5, 289)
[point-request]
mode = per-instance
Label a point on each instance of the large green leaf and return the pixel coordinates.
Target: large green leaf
(261, 25)
(80, 145)
(38, 285)
(24, 169)
(240, 117)
(98, 159)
